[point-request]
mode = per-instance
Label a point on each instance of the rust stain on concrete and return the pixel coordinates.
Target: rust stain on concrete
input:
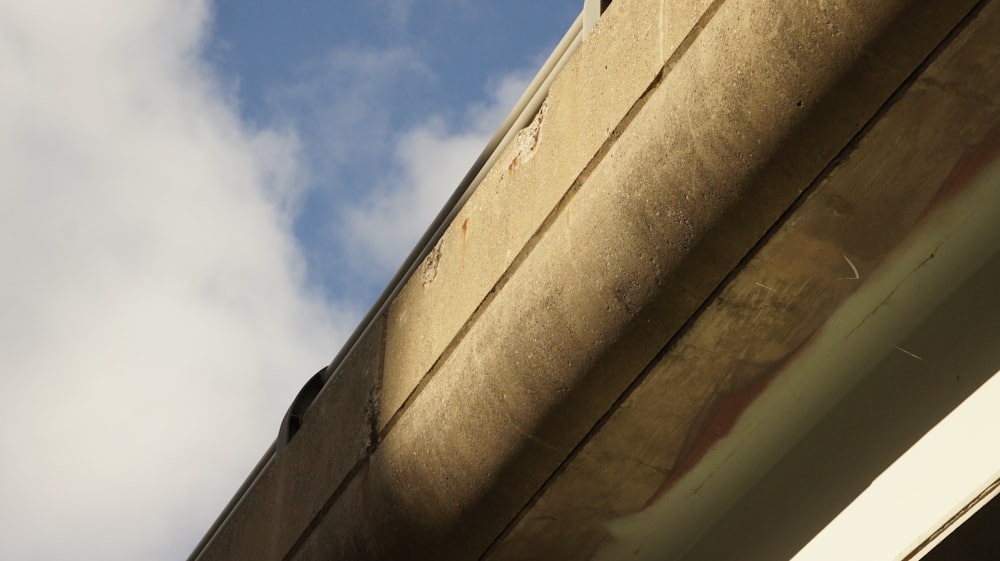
(971, 165)
(718, 419)
(714, 423)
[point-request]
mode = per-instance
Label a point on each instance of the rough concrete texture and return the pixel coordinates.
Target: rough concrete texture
(336, 434)
(592, 94)
(542, 372)
(859, 211)
(758, 99)
(886, 197)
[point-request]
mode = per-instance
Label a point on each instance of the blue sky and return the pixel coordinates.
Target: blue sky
(198, 202)
(352, 81)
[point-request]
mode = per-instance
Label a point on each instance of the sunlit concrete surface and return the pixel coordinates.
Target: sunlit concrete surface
(744, 257)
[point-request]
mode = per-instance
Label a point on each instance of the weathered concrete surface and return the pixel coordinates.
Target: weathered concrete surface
(669, 146)
(762, 98)
(337, 433)
(595, 90)
(858, 213)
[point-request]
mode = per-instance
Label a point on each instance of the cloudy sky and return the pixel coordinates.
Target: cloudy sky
(199, 201)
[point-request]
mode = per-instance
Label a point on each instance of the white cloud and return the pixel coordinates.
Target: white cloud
(156, 322)
(397, 12)
(380, 175)
(343, 103)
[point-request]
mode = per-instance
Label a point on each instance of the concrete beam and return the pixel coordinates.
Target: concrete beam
(670, 146)
(856, 215)
(739, 122)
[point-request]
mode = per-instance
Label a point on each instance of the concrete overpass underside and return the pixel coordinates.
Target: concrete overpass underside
(746, 254)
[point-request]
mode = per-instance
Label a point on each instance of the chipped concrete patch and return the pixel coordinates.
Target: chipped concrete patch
(429, 270)
(526, 141)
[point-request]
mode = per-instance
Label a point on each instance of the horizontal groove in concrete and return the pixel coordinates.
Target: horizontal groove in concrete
(725, 142)
(658, 193)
